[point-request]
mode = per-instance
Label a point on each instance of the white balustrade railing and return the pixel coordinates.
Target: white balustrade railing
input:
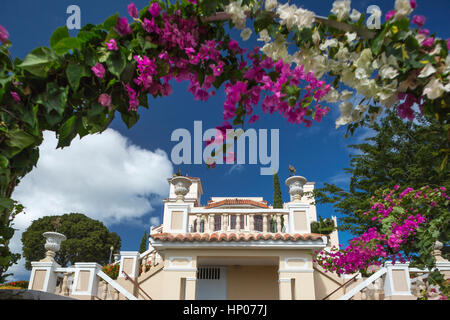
(364, 284)
(238, 220)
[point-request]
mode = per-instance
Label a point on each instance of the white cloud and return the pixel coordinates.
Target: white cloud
(103, 176)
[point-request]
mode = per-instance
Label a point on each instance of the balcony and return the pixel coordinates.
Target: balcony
(235, 220)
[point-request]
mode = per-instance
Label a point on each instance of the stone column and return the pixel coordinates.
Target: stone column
(129, 263)
(397, 285)
(284, 287)
(191, 287)
(225, 222)
(278, 223)
(251, 222)
(265, 222)
(85, 283)
(238, 222)
(211, 222)
(199, 219)
(43, 276)
(205, 217)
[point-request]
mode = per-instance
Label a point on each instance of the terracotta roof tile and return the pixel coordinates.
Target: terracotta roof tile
(227, 237)
(262, 204)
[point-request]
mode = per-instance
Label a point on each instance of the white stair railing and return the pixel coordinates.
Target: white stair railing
(116, 286)
(364, 284)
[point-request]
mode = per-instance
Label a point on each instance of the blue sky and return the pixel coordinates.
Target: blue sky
(318, 153)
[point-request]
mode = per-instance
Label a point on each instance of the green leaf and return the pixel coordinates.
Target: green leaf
(55, 98)
(6, 203)
(3, 161)
(64, 45)
(74, 73)
(262, 21)
(37, 61)
(67, 132)
(378, 42)
(58, 35)
(116, 63)
(110, 22)
(19, 139)
(130, 118)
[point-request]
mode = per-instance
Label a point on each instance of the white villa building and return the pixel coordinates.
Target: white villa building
(231, 248)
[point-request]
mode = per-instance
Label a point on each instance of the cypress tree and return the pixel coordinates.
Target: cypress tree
(143, 245)
(277, 199)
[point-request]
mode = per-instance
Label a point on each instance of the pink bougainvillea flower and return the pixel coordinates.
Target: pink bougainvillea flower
(389, 15)
(155, 9)
(428, 42)
(15, 96)
(448, 43)
(112, 45)
(413, 4)
(192, 1)
(424, 32)
(98, 70)
(132, 10)
(253, 118)
(123, 27)
(105, 100)
(3, 34)
(419, 20)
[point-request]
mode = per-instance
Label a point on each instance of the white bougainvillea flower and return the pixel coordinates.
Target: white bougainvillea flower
(351, 36)
(271, 4)
(288, 15)
(365, 60)
(264, 36)
(388, 72)
(246, 33)
(360, 74)
(402, 8)
(341, 8)
(427, 71)
(345, 94)
(355, 15)
(332, 43)
(332, 96)
(237, 12)
(434, 89)
(305, 18)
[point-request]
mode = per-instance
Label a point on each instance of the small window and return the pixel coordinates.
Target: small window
(209, 273)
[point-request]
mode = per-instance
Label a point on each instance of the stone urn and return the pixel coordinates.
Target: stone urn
(181, 185)
(52, 244)
(295, 184)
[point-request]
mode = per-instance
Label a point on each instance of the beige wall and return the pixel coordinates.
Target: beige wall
(39, 279)
(252, 282)
(177, 220)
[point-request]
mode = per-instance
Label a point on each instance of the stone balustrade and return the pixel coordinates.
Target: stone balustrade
(275, 222)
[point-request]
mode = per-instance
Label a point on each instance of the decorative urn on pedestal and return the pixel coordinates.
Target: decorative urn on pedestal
(295, 184)
(181, 185)
(52, 244)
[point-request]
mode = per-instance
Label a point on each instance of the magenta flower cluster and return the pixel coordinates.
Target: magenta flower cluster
(398, 216)
(185, 54)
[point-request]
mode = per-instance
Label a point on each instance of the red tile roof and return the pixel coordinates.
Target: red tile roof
(227, 237)
(262, 204)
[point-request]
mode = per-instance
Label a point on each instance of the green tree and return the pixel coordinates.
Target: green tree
(400, 153)
(323, 226)
(88, 240)
(277, 199)
(143, 245)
